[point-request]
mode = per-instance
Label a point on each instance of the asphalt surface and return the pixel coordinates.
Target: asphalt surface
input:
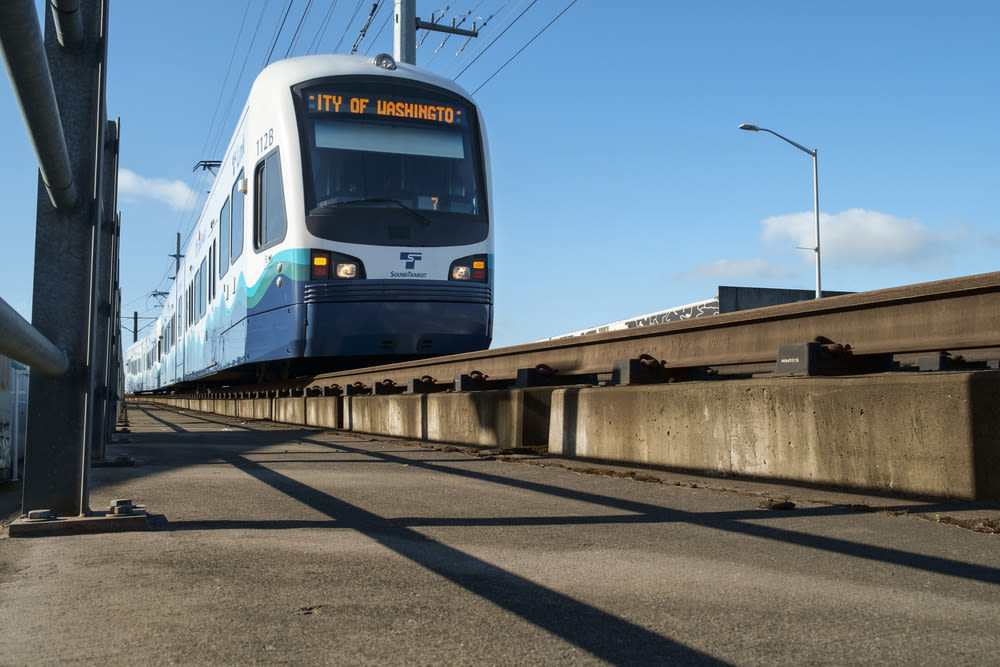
(268, 544)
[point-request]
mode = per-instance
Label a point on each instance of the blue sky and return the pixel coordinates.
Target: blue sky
(621, 182)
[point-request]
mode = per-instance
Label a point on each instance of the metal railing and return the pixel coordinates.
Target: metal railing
(28, 69)
(22, 342)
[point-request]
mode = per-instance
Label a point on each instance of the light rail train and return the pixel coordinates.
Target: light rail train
(350, 223)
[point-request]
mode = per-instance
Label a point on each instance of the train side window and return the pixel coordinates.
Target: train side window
(269, 203)
(210, 276)
(224, 247)
(237, 217)
(199, 279)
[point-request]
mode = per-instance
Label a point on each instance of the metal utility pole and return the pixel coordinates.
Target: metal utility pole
(177, 258)
(405, 26)
(404, 20)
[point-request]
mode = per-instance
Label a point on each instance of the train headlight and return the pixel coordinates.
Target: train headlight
(385, 61)
(347, 270)
(472, 268)
(328, 265)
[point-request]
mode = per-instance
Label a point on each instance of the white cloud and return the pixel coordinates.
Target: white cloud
(726, 268)
(175, 194)
(858, 236)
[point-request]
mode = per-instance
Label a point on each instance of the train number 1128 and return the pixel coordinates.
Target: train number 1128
(265, 141)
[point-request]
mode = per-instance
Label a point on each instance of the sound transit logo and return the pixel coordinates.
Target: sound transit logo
(409, 260)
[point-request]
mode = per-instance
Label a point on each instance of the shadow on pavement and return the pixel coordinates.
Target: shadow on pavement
(604, 635)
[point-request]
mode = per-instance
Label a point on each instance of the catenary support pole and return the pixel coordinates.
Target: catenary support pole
(405, 32)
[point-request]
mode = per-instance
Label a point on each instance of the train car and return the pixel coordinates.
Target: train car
(349, 223)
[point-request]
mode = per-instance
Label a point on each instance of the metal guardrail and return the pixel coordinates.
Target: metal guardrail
(22, 342)
(23, 53)
(28, 69)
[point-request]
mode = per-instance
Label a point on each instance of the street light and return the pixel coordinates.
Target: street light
(754, 128)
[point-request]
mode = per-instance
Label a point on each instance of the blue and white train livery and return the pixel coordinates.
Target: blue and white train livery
(350, 222)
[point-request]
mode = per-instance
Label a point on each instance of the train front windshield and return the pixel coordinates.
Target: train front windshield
(392, 164)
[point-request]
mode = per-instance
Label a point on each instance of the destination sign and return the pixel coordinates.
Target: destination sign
(334, 103)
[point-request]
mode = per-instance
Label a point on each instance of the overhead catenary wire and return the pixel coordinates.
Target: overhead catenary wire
(246, 59)
(277, 33)
(519, 51)
(212, 143)
(379, 33)
(298, 30)
(502, 33)
(202, 182)
(347, 27)
(482, 27)
(447, 36)
(317, 40)
(229, 69)
(488, 28)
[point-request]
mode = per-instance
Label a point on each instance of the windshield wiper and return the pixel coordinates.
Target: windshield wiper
(327, 208)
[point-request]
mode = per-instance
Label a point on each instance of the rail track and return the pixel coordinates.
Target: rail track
(957, 319)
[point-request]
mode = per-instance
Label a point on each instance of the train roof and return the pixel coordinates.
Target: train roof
(304, 68)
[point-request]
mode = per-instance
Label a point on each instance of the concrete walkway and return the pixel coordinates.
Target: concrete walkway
(278, 545)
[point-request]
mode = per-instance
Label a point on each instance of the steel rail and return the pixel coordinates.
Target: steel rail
(947, 315)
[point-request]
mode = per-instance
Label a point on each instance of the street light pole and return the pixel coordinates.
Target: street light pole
(813, 153)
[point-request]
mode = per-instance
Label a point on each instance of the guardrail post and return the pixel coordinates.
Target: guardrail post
(116, 381)
(105, 287)
(67, 259)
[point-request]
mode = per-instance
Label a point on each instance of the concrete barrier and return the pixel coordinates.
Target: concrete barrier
(261, 408)
(933, 434)
(926, 433)
(324, 411)
(504, 419)
(244, 408)
(399, 415)
(290, 410)
(507, 419)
